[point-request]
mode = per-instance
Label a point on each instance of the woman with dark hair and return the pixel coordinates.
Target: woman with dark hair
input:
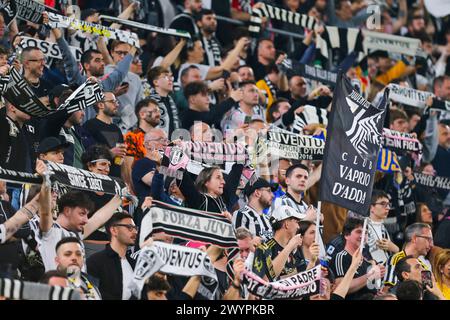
(211, 191)
(308, 252)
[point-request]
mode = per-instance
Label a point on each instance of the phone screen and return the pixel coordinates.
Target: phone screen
(426, 278)
(247, 119)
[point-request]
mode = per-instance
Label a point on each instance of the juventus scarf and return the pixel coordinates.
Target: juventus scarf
(409, 96)
(344, 40)
(351, 149)
(293, 68)
(20, 94)
(8, 10)
(188, 224)
(173, 162)
(390, 43)
(86, 95)
(279, 14)
(19, 177)
(134, 24)
(440, 105)
(50, 49)
(284, 144)
(84, 180)
(400, 142)
(30, 10)
(170, 259)
(215, 153)
(432, 181)
(24, 290)
(303, 284)
(310, 115)
(167, 122)
(59, 21)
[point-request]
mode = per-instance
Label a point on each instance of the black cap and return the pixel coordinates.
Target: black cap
(260, 183)
(51, 144)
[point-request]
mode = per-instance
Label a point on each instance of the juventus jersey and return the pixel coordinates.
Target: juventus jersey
(257, 223)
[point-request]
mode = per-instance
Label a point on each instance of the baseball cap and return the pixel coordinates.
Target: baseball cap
(260, 183)
(285, 212)
(51, 144)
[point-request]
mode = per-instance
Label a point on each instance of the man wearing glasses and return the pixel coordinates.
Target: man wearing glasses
(418, 242)
(104, 131)
(133, 91)
(379, 241)
(113, 266)
(33, 61)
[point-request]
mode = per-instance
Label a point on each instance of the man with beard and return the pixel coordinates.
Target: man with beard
(113, 267)
(185, 20)
(207, 22)
(251, 216)
(104, 131)
(33, 61)
(149, 116)
(70, 260)
(161, 81)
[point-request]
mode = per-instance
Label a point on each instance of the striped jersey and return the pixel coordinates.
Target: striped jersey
(390, 279)
(257, 223)
(288, 200)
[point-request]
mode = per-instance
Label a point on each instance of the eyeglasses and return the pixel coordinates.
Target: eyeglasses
(121, 53)
(383, 204)
(112, 101)
(44, 60)
(167, 77)
(429, 239)
(130, 227)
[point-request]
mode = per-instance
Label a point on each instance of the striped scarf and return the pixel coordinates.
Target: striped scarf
(24, 290)
(279, 14)
(169, 120)
(310, 115)
(86, 95)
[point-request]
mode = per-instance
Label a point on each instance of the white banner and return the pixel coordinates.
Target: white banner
(390, 43)
(409, 96)
(50, 49)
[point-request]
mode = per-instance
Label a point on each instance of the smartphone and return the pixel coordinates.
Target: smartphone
(426, 278)
(226, 74)
(124, 84)
(247, 119)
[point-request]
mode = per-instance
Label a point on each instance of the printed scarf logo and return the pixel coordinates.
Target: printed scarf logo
(85, 96)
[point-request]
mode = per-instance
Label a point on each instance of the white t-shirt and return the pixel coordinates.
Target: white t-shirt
(377, 231)
(49, 240)
(127, 278)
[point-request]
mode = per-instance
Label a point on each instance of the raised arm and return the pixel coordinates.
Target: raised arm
(125, 15)
(102, 215)
(227, 64)
(344, 286)
(280, 260)
(45, 200)
(22, 216)
(172, 56)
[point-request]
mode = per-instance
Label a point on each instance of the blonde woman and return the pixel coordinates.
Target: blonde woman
(441, 270)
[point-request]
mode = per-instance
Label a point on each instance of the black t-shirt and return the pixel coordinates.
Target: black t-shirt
(107, 134)
(140, 169)
(42, 89)
(265, 254)
(14, 145)
(341, 263)
(259, 70)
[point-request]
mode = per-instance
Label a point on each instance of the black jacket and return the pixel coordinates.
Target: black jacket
(106, 267)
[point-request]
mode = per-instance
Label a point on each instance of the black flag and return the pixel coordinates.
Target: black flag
(351, 149)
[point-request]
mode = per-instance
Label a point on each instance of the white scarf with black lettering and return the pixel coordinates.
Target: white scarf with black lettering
(170, 259)
(409, 96)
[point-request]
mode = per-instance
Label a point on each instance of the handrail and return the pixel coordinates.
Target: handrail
(279, 31)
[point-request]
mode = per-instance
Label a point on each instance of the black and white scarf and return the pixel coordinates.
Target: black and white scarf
(343, 40)
(19, 177)
(50, 49)
(166, 121)
(212, 51)
(84, 180)
(432, 181)
(279, 14)
(310, 115)
(170, 259)
(409, 96)
(148, 27)
(30, 10)
(21, 95)
(301, 285)
(85, 96)
(8, 10)
(390, 43)
(285, 144)
(440, 105)
(400, 142)
(188, 224)
(59, 21)
(293, 68)
(24, 290)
